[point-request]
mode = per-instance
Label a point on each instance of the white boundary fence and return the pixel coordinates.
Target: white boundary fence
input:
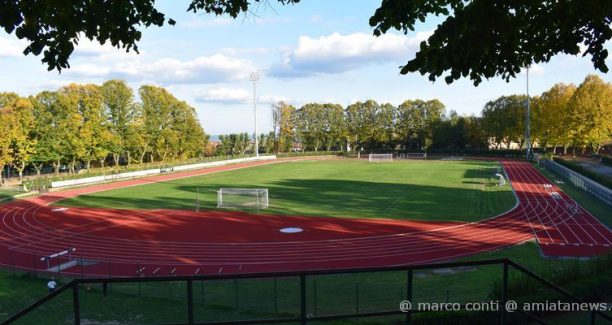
(148, 172)
(597, 190)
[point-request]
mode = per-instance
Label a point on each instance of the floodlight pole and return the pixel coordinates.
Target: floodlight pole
(254, 77)
(527, 121)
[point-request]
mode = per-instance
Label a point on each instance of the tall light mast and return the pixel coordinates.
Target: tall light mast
(254, 78)
(527, 121)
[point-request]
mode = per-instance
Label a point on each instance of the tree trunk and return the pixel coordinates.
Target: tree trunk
(20, 169)
(56, 166)
(72, 165)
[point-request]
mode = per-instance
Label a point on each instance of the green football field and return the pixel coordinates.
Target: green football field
(419, 190)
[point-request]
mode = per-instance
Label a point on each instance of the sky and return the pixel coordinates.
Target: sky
(315, 51)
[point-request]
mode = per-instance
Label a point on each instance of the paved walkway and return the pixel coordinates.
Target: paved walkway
(595, 166)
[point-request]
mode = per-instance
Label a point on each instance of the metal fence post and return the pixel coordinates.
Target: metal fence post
(236, 304)
(12, 261)
(504, 292)
(302, 299)
(356, 299)
(190, 301)
(409, 295)
(275, 297)
(314, 294)
(76, 305)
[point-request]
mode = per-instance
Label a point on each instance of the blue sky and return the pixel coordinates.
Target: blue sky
(316, 51)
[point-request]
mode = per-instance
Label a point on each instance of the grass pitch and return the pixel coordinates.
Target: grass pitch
(418, 190)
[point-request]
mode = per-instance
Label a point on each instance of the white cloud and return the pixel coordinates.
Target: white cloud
(338, 53)
(196, 23)
(11, 48)
(232, 96)
(225, 96)
(273, 99)
(90, 70)
(89, 48)
(246, 51)
(204, 69)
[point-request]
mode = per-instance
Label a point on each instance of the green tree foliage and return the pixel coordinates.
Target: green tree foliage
(283, 126)
(54, 28)
(7, 122)
(483, 39)
(504, 120)
(22, 141)
(320, 126)
(591, 113)
(81, 124)
(121, 111)
(362, 122)
(50, 129)
(479, 39)
(551, 115)
(170, 126)
(234, 144)
(416, 120)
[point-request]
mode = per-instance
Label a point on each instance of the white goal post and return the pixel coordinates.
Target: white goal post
(380, 157)
(243, 198)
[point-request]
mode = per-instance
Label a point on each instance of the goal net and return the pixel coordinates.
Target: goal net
(416, 155)
(380, 157)
(245, 198)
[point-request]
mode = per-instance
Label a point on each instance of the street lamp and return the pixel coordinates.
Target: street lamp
(254, 78)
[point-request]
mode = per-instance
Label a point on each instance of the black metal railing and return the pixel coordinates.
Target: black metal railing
(302, 315)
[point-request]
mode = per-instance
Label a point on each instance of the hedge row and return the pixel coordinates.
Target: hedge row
(606, 161)
(601, 179)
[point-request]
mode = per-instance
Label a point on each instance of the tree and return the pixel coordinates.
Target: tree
(591, 113)
(334, 129)
(479, 39)
(91, 138)
(550, 116)
(121, 112)
(23, 143)
(483, 39)
(50, 130)
(6, 129)
(157, 104)
(283, 123)
(54, 28)
(415, 122)
(361, 124)
(503, 120)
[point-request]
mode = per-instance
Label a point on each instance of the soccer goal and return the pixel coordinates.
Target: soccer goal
(244, 198)
(416, 155)
(380, 157)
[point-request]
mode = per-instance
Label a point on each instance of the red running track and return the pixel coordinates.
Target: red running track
(162, 242)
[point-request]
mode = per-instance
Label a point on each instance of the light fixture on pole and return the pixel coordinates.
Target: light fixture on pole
(527, 120)
(254, 78)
